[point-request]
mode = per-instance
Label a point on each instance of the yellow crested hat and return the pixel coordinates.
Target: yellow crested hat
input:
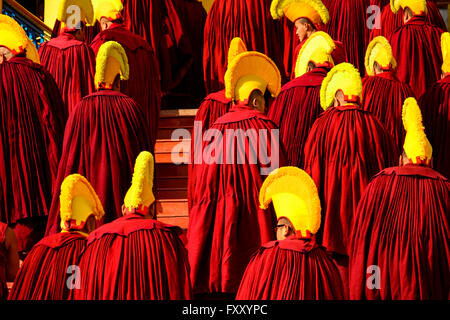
(249, 71)
(71, 10)
(140, 195)
(109, 9)
(417, 147)
(313, 10)
(111, 61)
(317, 49)
(379, 51)
(416, 6)
(32, 52)
(344, 77)
(295, 197)
(78, 202)
(445, 46)
(237, 46)
(12, 36)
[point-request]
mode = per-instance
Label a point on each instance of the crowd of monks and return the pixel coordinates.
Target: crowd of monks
(342, 193)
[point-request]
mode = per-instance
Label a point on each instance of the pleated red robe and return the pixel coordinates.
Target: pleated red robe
(89, 32)
(402, 226)
(32, 117)
(251, 21)
(383, 96)
(45, 273)
(292, 269)
(420, 65)
(3, 262)
(104, 135)
(295, 110)
(134, 258)
(226, 225)
(143, 84)
(72, 65)
(345, 148)
(435, 106)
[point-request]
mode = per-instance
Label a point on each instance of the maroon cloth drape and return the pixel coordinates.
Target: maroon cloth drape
(104, 135)
(292, 269)
(435, 106)
(72, 65)
(420, 65)
(45, 273)
(402, 227)
(345, 148)
(143, 84)
(383, 96)
(295, 110)
(32, 117)
(89, 32)
(3, 262)
(226, 225)
(134, 258)
(251, 21)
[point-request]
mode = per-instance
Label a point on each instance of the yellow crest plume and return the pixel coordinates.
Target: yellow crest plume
(313, 10)
(379, 51)
(110, 9)
(71, 8)
(237, 46)
(416, 6)
(12, 36)
(294, 196)
(445, 46)
(111, 61)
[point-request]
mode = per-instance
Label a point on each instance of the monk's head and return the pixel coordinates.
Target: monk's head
(284, 229)
(5, 54)
(339, 99)
(257, 101)
(105, 23)
(407, 15)
(305, 28)
(311, 66)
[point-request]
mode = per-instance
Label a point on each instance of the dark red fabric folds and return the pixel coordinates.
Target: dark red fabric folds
(134, 258)
(104, 135)
(402, 227)
(44, 273)
(3, 262)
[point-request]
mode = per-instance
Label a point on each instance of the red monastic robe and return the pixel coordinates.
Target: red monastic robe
(104, 135)
(402, 226)
(295, 110)
(45, 273)
(143, 84)
(251, 21)
(292, 269)
(435, 106)
(32, 124)
(72, 65)
(89, 32)
(383, 96)
(226, 225)
(3, 261)
(420, 65)
(133, 258)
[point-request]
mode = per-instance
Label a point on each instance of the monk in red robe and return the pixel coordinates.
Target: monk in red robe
(144, 82)
(435, 105)
(420, 65)
(345, 148)
(69, 60)
(32, 126)
(294, 267)
(50, 272)
(228, 178)
(383, 94)
(9, 258)
(401, 234)
(249, 20)
(103, 136)
(298, 105)
(136, 257)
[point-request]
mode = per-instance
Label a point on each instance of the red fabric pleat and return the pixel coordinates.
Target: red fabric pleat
(134, 259)
(104, 135)
(402, 227)
(43, 275)
(3, 262)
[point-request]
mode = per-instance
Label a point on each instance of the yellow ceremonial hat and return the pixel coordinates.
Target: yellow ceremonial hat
(72, 12)
(249, 71)
(109, 9)
(78, 201)
(32, 52)
(416, 6)
(317, 49)
(417, 147)
(111, 61)
(237, 46)
(445, 46)
(379, 51)
(12, 36)
(343, 77)
(313, 10)
(295, 197)
(140, 195)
